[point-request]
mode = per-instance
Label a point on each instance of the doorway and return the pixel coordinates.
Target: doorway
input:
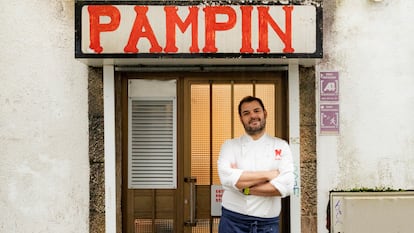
(205, 107)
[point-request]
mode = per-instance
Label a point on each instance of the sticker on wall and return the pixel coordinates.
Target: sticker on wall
(329, 86)
(329, 118)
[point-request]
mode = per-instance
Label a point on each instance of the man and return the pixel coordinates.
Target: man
(256, 171)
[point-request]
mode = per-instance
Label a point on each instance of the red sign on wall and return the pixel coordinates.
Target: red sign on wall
(132, 30)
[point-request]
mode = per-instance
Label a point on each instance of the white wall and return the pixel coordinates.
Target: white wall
(44, 168)
(371, 45)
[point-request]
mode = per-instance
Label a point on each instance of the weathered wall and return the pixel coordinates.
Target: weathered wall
(308, 150)
(96, 151)
(44, 169)
(371, 45)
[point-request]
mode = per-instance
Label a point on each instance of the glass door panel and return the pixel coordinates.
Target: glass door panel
(221, 122)
(215, 118)
(200, 133)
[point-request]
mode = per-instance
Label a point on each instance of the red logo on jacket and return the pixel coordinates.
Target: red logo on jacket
(278, 154)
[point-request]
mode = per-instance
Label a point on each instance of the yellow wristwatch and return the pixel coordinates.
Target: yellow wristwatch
(246, 191)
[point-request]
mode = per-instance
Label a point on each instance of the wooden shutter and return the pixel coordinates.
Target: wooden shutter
(152, 143)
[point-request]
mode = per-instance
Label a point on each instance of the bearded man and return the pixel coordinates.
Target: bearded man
(256, 171)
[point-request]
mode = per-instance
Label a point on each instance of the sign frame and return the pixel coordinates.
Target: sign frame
(318, 53)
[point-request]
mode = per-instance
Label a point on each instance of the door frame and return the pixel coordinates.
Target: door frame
(275, 77)
(113, 212)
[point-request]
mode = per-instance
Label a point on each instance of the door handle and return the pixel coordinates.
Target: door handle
(192, 181)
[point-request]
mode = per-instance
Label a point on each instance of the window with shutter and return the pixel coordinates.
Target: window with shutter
(152, 143)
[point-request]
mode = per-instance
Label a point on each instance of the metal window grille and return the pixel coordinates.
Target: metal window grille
(152, 143)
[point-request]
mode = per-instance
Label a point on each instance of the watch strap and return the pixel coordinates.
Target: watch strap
(246, 191)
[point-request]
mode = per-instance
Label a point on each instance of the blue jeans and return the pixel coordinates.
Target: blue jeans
(232, 222)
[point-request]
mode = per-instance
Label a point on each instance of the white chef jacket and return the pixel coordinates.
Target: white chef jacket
(245, 154)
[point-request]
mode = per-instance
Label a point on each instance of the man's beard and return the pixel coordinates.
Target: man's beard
(255, 130)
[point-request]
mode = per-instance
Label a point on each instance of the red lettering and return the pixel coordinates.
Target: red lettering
(246, 29)
(95, 27)
(172, 19)
(104, 19)
(142, 28)
(212, 25)
(265, 19)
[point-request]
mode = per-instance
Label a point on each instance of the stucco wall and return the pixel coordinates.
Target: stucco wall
(44, 168)
(371, 45)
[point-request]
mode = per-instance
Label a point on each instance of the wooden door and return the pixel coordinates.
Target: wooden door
(206, 116)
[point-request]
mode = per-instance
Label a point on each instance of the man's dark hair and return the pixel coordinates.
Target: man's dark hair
(249, 99)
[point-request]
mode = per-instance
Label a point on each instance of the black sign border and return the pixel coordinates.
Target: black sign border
(78, 34)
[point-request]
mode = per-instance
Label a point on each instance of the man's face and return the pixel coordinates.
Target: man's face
(253, 118)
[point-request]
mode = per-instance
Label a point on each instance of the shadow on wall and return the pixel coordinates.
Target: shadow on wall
(328, 216)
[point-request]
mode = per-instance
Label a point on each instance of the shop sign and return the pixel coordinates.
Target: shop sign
(124, 30)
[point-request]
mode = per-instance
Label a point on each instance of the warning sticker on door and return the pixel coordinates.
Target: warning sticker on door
(216, 194)
(329, 117)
